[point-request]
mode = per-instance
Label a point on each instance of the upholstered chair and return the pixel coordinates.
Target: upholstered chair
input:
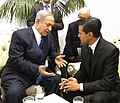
(4, 48)
(116, 42)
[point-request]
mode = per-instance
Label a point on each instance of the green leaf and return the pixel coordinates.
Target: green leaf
(21, 8)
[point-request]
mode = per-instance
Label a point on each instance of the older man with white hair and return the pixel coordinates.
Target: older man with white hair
(28, 51)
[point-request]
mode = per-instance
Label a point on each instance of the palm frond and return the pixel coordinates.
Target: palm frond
(70, 6)
(21, 8)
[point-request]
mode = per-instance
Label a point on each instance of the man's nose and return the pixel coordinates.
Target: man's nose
(78, 34)
(50, 28)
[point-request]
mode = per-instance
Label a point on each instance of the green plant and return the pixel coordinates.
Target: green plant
(21, 8)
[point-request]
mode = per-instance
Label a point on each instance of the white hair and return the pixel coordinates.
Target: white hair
(42, 14)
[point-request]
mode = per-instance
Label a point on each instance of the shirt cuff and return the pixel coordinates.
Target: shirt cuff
(81, 87)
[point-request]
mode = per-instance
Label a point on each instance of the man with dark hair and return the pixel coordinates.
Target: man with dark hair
(97, 76)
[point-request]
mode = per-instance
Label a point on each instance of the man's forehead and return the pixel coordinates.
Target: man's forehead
(51, 18)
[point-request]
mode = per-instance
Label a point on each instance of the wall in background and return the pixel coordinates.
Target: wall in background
(108, 12)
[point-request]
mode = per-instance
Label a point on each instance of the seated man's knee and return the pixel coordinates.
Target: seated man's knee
(15, 92)
(100, 97)
(95, 99)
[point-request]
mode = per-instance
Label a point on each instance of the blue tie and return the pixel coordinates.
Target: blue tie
(41, 43)
(39, 78)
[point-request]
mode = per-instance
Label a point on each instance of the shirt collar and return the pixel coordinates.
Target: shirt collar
(37, 35)
(48, 5)
(93, 46)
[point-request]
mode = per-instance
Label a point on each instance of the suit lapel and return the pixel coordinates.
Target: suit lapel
(34, 42)
(96, 56)
(87, 61)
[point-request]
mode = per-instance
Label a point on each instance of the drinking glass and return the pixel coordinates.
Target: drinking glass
(78, 99)
(40, 93)
(79, 51)
(28, 99)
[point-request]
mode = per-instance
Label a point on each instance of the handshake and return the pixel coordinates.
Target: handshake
(69, 84)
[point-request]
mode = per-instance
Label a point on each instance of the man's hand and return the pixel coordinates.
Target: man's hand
(60, 61)
(42, 69)
(70, 85)
(62, 84)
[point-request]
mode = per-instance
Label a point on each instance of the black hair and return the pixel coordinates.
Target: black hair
(82, 20)
(93, 25)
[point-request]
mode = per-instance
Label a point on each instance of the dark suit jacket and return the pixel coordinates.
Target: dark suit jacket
(57, 16)
(72, 40)
(103, 74)
(25, 55)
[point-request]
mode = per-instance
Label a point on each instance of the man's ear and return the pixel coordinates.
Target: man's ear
(37, 20)
(90, 34)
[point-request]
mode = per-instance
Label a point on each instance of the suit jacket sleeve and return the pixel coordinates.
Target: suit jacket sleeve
(68, 47)
(58, 24)
(72, 40)
(53, 54)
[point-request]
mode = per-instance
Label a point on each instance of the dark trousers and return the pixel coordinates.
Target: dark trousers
(15, 87)
(97, 97)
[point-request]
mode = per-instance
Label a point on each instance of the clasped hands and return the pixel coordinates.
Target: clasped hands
(69, 84)
(58, 60)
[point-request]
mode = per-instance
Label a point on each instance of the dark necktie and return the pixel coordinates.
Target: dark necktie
(46, 7)
(41, 43)
(39, 78)
(90, 56)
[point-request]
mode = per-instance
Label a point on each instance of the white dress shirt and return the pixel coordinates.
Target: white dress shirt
(37, 35)
(38, 39)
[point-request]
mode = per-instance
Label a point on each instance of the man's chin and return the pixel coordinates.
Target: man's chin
(45, 34)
